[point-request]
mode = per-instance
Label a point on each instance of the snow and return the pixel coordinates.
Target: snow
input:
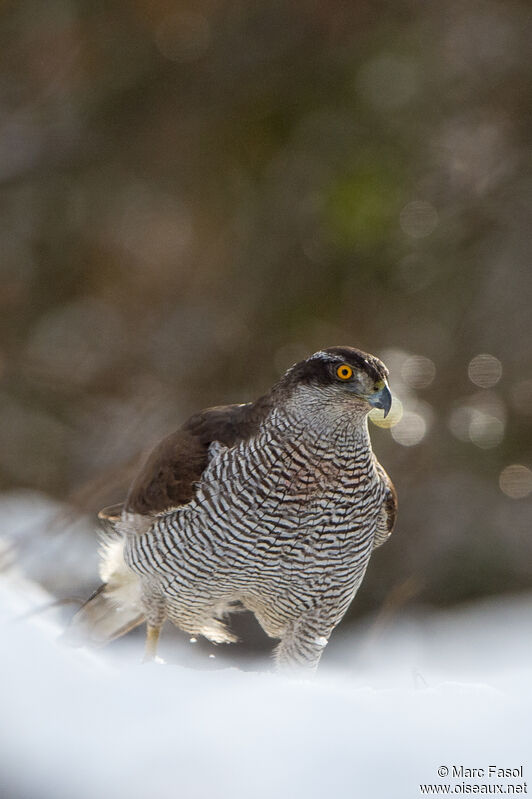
(80, 724)
(384, 712)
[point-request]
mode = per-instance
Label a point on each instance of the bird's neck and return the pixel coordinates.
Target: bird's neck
(318, 424)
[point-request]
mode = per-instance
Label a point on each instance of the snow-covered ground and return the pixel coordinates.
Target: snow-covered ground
(383, 714)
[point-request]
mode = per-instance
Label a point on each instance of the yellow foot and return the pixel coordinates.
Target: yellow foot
(150, 649)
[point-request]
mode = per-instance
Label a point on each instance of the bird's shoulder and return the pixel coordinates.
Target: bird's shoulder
(175, 465)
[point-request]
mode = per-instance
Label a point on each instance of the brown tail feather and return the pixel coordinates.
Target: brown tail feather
(100, 619)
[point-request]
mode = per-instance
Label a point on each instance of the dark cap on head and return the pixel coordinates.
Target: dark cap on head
(318, 368)
(361, 360)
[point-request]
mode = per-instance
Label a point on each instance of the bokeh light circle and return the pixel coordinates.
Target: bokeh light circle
(485, 431)
(484, 370)
(393, 418)
(418, 371)
(516, 481)
(410, 430)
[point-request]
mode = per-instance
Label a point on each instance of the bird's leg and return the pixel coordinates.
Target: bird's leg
(302, 646)
(155, 614)
(152, 637)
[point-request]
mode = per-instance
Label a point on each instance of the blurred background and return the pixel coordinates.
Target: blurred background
(194, 195)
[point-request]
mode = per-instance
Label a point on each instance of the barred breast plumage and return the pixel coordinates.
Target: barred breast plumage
(287, 503)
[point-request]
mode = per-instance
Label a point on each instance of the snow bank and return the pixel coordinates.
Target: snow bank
(378, 721)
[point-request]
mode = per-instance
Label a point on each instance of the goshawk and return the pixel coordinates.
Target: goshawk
(274, 506)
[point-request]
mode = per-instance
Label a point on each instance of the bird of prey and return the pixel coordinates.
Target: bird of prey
(273, 506)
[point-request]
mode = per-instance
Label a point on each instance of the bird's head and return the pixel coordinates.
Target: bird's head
(342, 375)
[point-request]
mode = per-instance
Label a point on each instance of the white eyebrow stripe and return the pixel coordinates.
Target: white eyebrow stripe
(326, 356)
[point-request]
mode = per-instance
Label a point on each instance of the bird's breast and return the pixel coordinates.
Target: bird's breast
(294, 490)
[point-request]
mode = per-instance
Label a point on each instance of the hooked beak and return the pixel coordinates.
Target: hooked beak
(382, 399)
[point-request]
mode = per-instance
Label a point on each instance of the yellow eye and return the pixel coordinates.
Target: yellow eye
(344, 372)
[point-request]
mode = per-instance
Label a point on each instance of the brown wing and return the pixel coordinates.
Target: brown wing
(177, 463)
(388, 512)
